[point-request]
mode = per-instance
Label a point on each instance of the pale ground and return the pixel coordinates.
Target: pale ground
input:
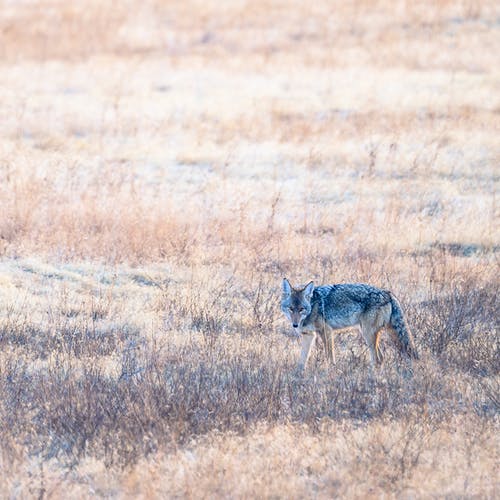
(293, 462)
(161, 162)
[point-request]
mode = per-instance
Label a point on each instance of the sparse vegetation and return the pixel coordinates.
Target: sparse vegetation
(163, 165)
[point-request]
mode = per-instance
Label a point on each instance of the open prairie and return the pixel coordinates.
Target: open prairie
(164, 164)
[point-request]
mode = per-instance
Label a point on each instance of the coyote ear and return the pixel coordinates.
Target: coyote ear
(287, 288)
(308, 290)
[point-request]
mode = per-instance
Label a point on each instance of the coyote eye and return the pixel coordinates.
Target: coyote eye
(302, 310)
(290, 309)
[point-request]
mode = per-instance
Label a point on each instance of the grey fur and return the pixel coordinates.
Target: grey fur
(336, 307)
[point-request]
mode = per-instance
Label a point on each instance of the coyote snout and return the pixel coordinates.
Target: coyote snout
(298, 307)
(321, 310)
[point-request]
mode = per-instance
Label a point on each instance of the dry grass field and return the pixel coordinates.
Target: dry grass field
(164, 164)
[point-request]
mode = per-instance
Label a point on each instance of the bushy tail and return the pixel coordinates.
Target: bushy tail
(400, 326)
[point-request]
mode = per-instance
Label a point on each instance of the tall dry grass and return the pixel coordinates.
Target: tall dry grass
(163, 165)
(89, 384)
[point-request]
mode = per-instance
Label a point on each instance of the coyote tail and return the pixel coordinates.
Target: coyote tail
(403, 332)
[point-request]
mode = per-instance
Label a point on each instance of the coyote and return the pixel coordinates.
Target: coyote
(323, 309)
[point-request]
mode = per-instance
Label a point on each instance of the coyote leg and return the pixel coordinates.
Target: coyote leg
(371, 339)
(307, 343)
(378, 351)
(326, 334)
(329, 346)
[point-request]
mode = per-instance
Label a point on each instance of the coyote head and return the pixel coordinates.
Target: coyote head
(296, 303)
